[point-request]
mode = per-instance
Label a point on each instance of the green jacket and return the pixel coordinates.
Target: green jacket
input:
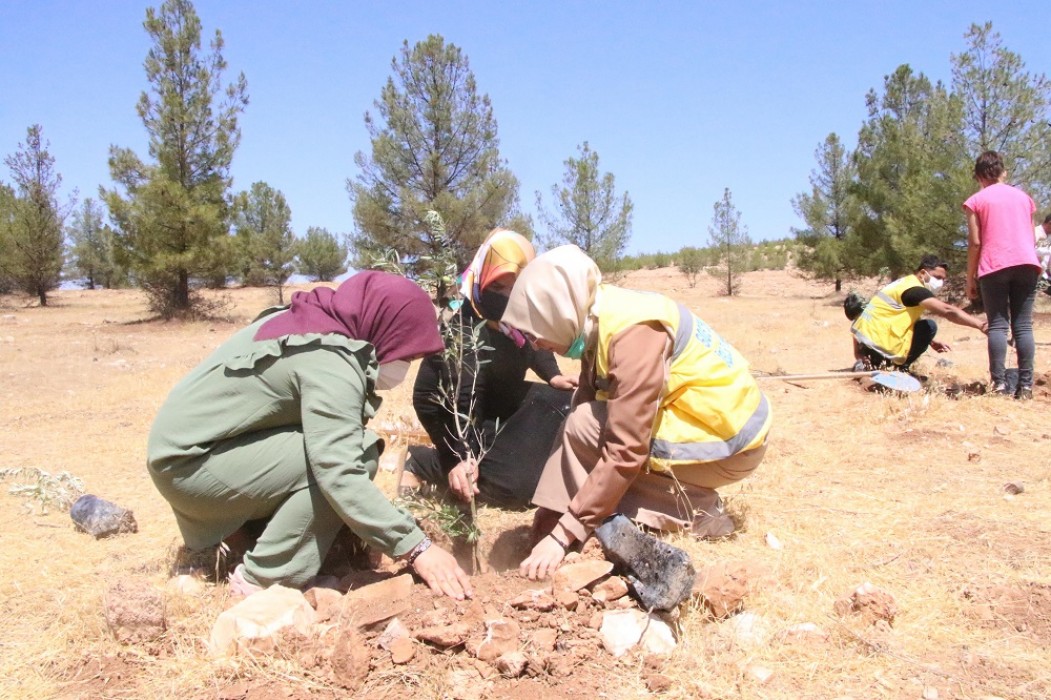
(321, 385)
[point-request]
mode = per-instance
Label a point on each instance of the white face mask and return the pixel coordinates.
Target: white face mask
(392, 374)
(933, 283)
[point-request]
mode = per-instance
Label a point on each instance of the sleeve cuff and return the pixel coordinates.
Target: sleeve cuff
(573, 526)
(407, 543)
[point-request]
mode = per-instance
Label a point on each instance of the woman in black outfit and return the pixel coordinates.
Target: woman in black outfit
(515, 421)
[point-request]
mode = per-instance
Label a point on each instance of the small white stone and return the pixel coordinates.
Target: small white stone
(621, 630)
(658, 637)
(761, 674)
(748, 629)
(772, 542)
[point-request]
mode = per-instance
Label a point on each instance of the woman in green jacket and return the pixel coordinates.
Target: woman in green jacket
(271, 426)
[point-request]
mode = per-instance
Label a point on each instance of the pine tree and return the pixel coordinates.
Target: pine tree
(263, 237)
(1006, 109)
(320, 255)
(34, 244)
(172, 222)
(912, 175)
(730, 238)
(830, 211)
(588, 213)
(434, 147)
(92, 247)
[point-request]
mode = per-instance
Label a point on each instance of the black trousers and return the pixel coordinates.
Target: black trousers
(922, 335)
(510, 470)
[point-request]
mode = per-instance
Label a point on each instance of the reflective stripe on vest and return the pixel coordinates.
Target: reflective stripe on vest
(710, 451)
(889, 301)
(683, 333)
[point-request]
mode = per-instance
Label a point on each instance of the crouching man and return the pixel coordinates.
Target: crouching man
(890, 331)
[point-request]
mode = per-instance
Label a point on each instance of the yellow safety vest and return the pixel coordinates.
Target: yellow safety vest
(711, 407)
(886, 323)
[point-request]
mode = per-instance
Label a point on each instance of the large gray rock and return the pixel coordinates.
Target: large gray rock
(101, 518)
(661, 576)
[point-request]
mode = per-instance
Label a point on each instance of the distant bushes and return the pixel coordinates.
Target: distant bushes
(690, 260)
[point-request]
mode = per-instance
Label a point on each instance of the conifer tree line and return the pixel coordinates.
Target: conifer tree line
(171, 221)
(876, 209)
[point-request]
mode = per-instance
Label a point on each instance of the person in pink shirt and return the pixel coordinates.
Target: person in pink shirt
(1002, 260)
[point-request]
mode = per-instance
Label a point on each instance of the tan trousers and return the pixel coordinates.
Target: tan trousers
(684, 498)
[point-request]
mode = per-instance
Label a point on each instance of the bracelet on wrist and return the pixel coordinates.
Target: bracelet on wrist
(415, 552)
(560, 543)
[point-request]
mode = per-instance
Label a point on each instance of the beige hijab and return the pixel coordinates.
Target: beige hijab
(554, 296)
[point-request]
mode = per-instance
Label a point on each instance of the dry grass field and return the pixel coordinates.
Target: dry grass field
(905, 492)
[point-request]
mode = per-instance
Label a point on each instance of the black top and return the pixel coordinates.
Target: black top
(499, 388)
(914, 295)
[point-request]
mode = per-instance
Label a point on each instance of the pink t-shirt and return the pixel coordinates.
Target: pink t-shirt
(1005, 220)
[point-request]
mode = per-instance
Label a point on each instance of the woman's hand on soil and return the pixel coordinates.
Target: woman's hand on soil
(543, 560)
(463, 480)
(439, 570)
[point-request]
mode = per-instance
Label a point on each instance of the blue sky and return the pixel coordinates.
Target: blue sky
(680, 99)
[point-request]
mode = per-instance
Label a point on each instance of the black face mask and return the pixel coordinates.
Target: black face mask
(492, 305)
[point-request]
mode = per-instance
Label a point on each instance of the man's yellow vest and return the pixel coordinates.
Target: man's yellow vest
(711, 407)
(886, 323)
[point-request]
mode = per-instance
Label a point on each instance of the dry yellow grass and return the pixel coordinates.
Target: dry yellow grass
(904, 492)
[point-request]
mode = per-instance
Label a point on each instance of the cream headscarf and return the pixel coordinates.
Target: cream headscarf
(554, 296)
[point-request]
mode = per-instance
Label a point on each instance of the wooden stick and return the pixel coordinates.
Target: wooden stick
(820, 375)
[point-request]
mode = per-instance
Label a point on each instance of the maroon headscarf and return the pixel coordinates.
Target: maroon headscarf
(387, 310)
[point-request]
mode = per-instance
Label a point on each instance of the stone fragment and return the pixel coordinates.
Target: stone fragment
(658, 637)
(930, 693)
(567, 599)
(544, 640)
(1013, 488)
(596, 620)
(581, 574)
(445, 636)
(724, 586)
(761, 674)
(613, 588)
(657, 682)
(378, 601)
(394, 630)
(535, 599)
(134, 611)
(871, 603)
(501, 637)
(187, 585)
(748, 629)
(402, 649)
(772, 542)
(621, 630)
(327, 602)
(512, 664)
(350, 659)
(257, 622)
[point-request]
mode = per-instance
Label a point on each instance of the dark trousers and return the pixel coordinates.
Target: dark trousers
(922, 335)
(1008, 296)
(510, 470)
